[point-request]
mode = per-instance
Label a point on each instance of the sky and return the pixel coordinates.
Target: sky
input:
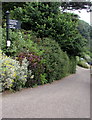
(84, 15)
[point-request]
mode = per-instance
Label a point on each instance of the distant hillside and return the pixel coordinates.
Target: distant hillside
(86, 31)
(91, 38)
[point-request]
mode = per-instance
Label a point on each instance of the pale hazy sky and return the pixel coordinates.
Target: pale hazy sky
(84, 15)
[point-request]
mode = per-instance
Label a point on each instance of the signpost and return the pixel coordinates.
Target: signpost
(14, 24)
(7, 28)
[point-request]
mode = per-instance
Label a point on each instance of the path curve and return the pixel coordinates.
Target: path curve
(66, 98)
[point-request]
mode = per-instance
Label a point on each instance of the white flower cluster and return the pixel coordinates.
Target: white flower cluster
(11, 73)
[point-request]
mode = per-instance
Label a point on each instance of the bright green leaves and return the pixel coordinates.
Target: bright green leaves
(46, 20)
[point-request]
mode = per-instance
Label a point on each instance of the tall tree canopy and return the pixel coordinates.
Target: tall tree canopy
(46, 20)
(70, 5)
(7, 6)
(76, 5)
(84, 29)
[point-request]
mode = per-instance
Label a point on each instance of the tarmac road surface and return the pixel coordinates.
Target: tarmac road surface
(66, 98)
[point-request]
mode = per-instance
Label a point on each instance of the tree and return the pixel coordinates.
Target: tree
(84, 29)
(7, 6)
(91, 39)
(37, 16)
(76, 5)
(46, 20)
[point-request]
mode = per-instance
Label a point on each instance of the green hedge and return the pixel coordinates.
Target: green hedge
(83, 63)
(46, 60)
(72, 64)
(58, 64)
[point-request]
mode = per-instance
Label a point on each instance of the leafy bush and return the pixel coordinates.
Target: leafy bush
(37, 67)
(12, 75)
(43, 78)
(72, 64)
(45, 59)
(57, 62)
(87, 57)
(46, 20)
(23, 45)
(83, 64)
(20, 41)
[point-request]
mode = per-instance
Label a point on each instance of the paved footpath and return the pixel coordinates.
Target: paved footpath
(66, 98)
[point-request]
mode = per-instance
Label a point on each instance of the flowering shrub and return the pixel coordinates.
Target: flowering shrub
(12, 75)
(31, 57)
(36, 64)
(20, 41)
(23, 45)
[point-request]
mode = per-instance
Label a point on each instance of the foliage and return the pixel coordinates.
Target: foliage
(7, 6)
(12, 75)
(91, 38)
(84, 29)
(46, 20)
(0, 37)
(72, 64)
(77, 5)
(45, 58)
(17, 42)
(43, 78)
(57, 62)
(83, 64)
(68, 37)
(21, 41)
(36, 64)
(87, 56)
(23, 46)
(40, 17)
